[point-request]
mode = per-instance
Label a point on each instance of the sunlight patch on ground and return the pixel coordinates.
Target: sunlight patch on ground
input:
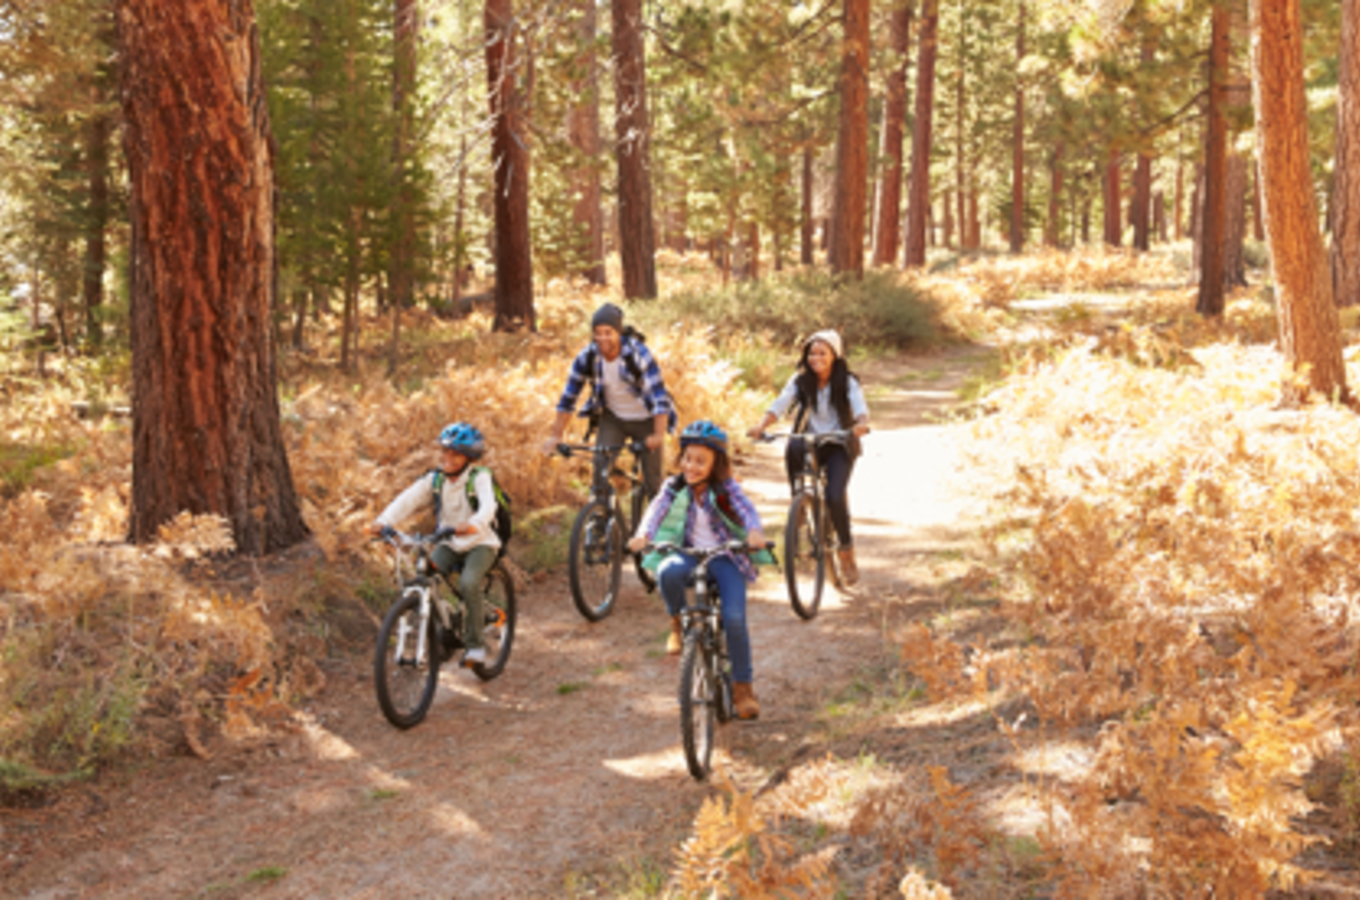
(1027, 809)
(453, 820)
(1065, 760)
(946, 713)
(666, 763)
(326, 744)
(324, 800)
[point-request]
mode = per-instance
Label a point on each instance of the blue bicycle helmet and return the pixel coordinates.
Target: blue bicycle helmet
(464, 438)
(706, 433)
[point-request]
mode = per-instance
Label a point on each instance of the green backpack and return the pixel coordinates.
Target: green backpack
(503, 523)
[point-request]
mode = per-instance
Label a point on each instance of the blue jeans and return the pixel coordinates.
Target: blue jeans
(673, 574)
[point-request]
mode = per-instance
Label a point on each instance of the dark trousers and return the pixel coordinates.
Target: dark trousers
(835, 460)
(614, 431)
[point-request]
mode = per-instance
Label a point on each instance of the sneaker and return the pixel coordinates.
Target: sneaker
(474, 657)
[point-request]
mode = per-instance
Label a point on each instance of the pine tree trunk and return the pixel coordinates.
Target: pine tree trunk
(459, 210)
(888, 196)
(1142, 202)
(583, 131)
(806, 250)
(1180, 199)
(637, 236)
(1235, 223)
(510, 160)
(1051, 227)
(1310, 330)
(1114, 229)
(1018, 145)
(1159, 216)
(1258, 225)
(753, 250)
(918, 200)
(401, 268)
(852, 172)
(960, 156)
(206, 429)
(948, 225)
(1346, 186)
(97, 159)
(1211, 277)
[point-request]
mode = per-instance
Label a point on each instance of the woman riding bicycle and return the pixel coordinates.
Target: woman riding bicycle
(703, 508)
(826, 396)
(472, 550)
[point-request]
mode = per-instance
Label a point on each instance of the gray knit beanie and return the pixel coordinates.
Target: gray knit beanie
(610, 315)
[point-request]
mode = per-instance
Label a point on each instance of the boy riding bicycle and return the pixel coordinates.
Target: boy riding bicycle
(474, 546)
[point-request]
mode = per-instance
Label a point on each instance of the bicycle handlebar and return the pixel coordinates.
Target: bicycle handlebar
(412, 539)
(667, 547)
(824, 437)
(569, 450)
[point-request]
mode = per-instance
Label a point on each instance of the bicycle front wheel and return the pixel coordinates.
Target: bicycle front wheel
(498, 599)
(596, 560)
(405, 687)
(804, 559)
(638, 505)
(698, 704)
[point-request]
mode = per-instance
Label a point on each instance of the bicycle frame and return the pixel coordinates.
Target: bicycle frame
(405, 546)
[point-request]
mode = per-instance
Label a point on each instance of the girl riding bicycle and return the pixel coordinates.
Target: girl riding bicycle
(474, 547)
(827, 397)
(703, 508)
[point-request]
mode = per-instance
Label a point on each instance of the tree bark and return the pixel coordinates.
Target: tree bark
(1114, 226)
(510, 160)
(1142, 202)
(206, 429)
(1310, 330)
(1346, 186)
(1018, 145)
(1211, 275)
(852, 171)
(1235, 223)
(632, 130)
(1180, 199)
(583, 131)
(1258, 226)
(806, 250)
(97, 159)
(919, 198)
(888, 196)
(1051, 228)
(960, 154)
(401, 268)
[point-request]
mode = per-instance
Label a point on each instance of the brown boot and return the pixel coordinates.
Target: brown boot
(744, 699)
(675, 641)
(849, 571)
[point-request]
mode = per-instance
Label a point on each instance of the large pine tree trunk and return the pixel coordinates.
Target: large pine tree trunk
(805, 253)
(97, 159)
(1310, 330)
(1235, 223)
(960, 154)
(1018, 145)
(918, 201)
(1142, 202)
(510, 159)
(583, 130)
(1051, 234)
(852, 170)
(206, 429)
(888, 196)
(1211, 275)
(1346, 187)
(1114, 226)
(401, 266)
(637, 237)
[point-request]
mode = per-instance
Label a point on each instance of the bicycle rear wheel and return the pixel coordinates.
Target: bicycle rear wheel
(498, 600)
(405, 689)
(698, 704)
(596, 560)
(804, 559)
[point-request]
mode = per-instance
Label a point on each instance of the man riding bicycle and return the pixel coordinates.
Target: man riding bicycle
(628, 400)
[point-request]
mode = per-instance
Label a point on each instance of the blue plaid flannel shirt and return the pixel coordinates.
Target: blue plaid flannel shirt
(652, 390)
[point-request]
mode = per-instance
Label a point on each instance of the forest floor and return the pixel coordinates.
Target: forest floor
(565, 776)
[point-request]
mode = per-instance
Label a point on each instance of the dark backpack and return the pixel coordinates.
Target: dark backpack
(503, 524)
(720, 496)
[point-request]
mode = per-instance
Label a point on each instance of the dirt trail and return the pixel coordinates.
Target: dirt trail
(562, 776)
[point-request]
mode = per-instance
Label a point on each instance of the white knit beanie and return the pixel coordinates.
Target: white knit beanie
(828, 337)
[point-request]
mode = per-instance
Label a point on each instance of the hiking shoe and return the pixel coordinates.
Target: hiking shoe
(849, 571)
(744, 700)
(474, 657)
(675, 641)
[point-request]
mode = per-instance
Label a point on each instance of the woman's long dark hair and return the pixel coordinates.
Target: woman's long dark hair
(840, 385)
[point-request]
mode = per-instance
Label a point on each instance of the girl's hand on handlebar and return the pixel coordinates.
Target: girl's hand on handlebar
(756, 540)
(636, 544)
(861, 430)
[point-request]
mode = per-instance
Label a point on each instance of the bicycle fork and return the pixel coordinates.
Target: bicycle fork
(406, 631)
